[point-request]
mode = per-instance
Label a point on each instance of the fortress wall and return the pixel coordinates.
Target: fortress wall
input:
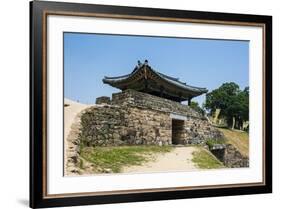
(143, 100)
(139, 118)
(198, 131)
(114, 125)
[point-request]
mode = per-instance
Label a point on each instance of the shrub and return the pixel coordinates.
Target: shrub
(212, 142)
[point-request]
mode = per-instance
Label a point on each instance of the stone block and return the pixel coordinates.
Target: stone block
(103, 100)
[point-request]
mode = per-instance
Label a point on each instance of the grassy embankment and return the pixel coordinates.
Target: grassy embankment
(113, 159)
(239, 139)
(204, 159)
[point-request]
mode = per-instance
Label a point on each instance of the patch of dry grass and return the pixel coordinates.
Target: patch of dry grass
(204, 159)
(115, 158)
(239, 139)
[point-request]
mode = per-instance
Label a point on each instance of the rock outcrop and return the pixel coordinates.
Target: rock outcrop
(229, 155)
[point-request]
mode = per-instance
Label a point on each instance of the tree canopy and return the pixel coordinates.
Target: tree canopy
(233, 102)
(194, 105)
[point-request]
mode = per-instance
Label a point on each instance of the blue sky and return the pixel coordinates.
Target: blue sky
(198, 62)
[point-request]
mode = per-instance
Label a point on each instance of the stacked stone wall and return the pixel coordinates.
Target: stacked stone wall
(230, 156)
(142, 100)
(114, 125)
(103, 100)
(199, 130)
(139, 118)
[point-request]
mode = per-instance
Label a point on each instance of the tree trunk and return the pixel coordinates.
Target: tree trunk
(216, 115)
(233, 123)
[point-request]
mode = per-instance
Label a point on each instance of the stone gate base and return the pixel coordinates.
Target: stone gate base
(138, 118)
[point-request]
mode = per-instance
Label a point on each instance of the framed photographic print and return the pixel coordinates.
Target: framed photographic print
(140, 104)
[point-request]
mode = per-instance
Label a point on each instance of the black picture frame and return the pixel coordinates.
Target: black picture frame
(38, 12)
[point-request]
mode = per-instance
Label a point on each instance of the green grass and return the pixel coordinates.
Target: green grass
(212, 142)
(115, 158)
(81, 164)
(206, 160)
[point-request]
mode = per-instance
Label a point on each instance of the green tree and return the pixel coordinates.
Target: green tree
(196, 107)
(233, 102)
(243, 112)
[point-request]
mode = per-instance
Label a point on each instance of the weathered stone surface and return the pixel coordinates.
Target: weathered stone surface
(229, 155)
(138, 118)
(103, 100)
(233, 158)
(115, 125)
(148, 101)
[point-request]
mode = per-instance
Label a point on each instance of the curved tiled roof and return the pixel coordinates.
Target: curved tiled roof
(114, 81)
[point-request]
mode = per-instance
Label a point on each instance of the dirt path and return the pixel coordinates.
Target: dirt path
(179, 159)
(72, 112)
